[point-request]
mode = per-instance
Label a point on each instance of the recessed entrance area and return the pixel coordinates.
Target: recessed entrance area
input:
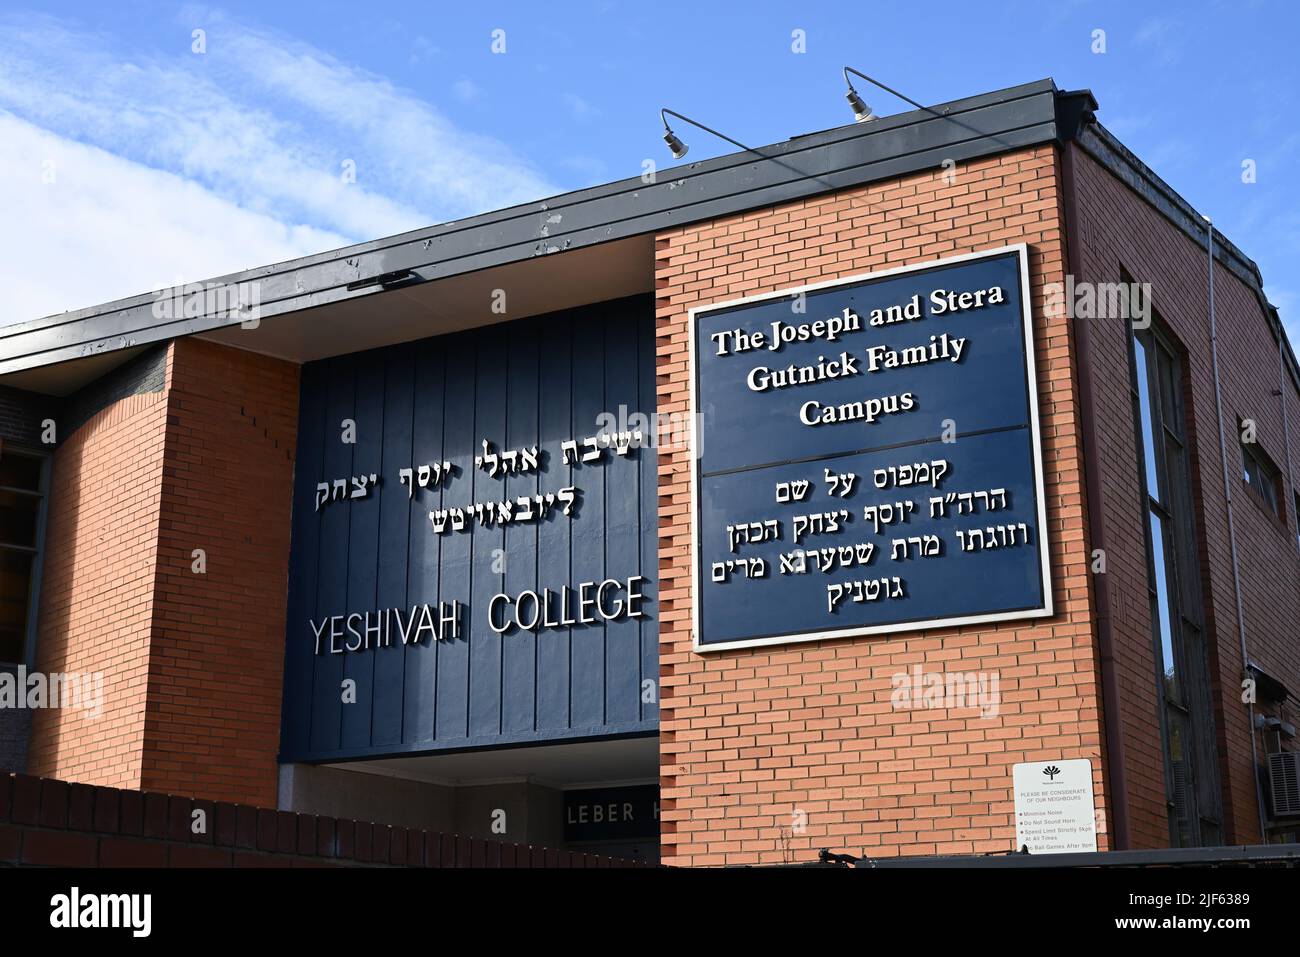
(600, 797)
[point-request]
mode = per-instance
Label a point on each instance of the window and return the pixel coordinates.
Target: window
(1259, 472)
(1173, 585)
(22, 514)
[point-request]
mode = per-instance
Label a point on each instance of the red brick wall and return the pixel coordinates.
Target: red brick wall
(213, 723)
(96, 600)
(750, 737)
(1118, 229)
(192, 662)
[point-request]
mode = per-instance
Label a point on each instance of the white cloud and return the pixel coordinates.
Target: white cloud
(253, 136)
(410, 146)
(105, 228)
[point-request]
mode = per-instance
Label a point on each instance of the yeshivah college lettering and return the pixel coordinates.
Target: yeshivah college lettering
(587, 604)
(363, 631)
(915, 504)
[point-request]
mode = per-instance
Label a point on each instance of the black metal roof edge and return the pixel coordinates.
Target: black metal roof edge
(801, 167)
(1102, 145)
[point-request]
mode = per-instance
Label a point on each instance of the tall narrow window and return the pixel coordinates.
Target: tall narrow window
(1178, 635)
(22, 499)
(1259, 473)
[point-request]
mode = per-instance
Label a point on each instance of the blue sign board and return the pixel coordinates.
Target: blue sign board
(474, 550)
(867, 456)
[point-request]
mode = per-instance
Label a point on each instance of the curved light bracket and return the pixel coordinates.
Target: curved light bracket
(861, 112)
(679, 148)
(675, 145)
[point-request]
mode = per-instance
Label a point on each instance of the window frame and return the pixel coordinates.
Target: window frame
(1267, 491)
(37, 550)
(1170, 508)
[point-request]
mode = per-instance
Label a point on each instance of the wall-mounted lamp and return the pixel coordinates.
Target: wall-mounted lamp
(861, 112)
(678, 148)
(675, 145)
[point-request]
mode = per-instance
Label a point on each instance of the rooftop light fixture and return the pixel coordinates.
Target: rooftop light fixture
(679, 148)
(861, 112)
(675, 145)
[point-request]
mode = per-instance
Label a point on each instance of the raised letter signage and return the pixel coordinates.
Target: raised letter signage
(474, 532)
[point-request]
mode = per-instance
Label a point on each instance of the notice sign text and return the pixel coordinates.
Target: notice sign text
(1054, 807)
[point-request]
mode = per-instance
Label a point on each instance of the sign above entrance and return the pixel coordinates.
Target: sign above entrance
(474, 532)
(604, 814)
(868, 457)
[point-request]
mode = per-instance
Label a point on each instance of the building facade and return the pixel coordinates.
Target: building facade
(601, 522)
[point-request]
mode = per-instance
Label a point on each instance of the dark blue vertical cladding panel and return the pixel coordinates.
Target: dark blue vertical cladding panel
(554, 539)
(666, 432)
(535, 383)
(460, 435)
(488, 541)
(519, 650)
(332, 554)
(300, 650)
(588, 563)
(424, 549)
(363, 548)
(394, 543)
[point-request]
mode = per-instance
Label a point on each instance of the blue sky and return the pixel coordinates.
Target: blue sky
(131, 161)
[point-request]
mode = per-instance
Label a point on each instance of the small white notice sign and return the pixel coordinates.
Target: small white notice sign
(1054, 809)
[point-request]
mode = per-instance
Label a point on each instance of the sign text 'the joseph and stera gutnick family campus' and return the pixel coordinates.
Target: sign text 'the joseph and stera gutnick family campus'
(868, 456)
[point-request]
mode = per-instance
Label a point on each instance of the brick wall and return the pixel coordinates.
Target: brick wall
(192, 662)
(96, 600)
(213, 723)
(146, 372)
(47, 823)
(750, 737)
(1118, 229)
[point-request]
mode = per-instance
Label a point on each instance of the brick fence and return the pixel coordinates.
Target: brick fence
(49, 823)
